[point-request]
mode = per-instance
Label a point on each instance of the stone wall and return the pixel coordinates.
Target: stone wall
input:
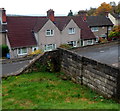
(100, 77)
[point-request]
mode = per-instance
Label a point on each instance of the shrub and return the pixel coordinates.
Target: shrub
(3, 50)
(66, 46)
(36, 52)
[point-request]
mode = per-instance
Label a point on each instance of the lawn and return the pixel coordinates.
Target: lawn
(48, 91)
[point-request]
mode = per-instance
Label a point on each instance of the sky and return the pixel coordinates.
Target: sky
(40, 7)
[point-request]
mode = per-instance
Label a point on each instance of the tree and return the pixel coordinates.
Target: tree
(4, 49)
(70, 13)
(91, 11)
(115, 33)
(101, 10)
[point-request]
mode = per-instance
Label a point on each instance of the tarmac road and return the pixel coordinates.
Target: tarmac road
(104, 54)
(9, 68)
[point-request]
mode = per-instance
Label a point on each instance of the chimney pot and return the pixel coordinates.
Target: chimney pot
(50, 15)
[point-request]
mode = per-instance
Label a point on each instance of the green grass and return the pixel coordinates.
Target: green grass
(47, 91)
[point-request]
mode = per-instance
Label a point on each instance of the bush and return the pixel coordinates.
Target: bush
(36, 52)
(3, 50)
(66, 46)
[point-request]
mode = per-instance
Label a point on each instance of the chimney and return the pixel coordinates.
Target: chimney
(50, 15)
(3, 14)
(106, 14)
(82, 13)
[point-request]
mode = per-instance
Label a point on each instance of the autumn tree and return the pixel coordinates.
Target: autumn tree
(115, 33)
(101, 10)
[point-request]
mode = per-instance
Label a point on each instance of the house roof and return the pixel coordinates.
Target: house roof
(20, 31)
(62, 21)
(99, 21)
(117, 16)
(21, 28)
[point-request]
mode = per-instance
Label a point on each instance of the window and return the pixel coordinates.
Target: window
(73, 43)
(50, 47)
(49, 32)
(71, 30)
(22, 51)
(109, 28)
(89, 42)
(94, 29)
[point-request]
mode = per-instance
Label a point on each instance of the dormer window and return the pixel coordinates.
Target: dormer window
(49, 32)
(71, 30)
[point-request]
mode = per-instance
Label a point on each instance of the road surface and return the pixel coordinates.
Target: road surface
(9, 68)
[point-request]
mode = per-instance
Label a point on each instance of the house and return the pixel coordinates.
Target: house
(28, 33)
(100, 26)
(115, 18)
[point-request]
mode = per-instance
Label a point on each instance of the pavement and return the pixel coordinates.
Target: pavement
(107, 53)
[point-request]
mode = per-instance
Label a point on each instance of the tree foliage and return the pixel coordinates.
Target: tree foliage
(3, 50)
(115, 32)
(103, 8)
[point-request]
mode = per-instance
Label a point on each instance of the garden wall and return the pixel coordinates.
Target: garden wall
(98, 76)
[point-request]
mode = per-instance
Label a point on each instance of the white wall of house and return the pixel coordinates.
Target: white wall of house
(113, 19)
(71, 33)
(43, 39)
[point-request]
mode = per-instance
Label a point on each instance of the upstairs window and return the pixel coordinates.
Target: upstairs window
(94, 29)
(49, 32)
(71, 30)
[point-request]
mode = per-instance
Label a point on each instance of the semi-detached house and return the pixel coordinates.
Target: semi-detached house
(27, 33)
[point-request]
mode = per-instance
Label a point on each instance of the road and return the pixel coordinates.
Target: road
(104, 54)
(9, 68)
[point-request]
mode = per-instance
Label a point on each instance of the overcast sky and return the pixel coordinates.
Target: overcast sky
(39, 7)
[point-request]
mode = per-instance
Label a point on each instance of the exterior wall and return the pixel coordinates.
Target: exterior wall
(114, 20)
(14, 53)
(85, 42)
(66, 37)
(2, 38)
(101, 31)
(44, 40)
(60, 37)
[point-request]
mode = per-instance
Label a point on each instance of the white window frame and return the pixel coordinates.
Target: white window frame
(73, 43)
(21, 51)
(89, 42)
(49, 47)
(50, 31)
(33, 49)
(71, 31)
(94, 29)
